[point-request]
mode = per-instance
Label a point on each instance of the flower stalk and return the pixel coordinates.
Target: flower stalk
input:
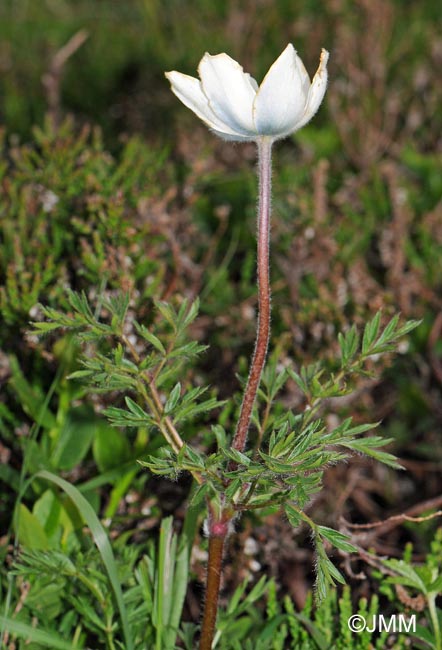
(217, 536)
(218, 527)
(264, 294)
(231, 103)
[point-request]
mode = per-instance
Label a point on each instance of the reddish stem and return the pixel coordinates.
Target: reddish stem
(263, 331)
(218, 527)
(218, 534)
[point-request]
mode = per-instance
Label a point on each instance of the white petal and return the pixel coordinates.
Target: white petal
(252, 81)
(230, 92)
(317, 90)
(189, 91)
(236, 137)
(304, 75)
(281, 98)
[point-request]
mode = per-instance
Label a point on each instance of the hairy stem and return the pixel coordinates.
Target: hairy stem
(164, 423)
(217, 538)
(218, 526)
(263, 331)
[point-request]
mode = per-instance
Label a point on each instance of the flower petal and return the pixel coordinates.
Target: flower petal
(252, 81)
(234, 137)
(189, 91)
(317, 90)
(305, 78)
(230, 92)
(282, 96)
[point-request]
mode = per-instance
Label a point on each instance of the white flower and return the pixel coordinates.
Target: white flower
(232, 105)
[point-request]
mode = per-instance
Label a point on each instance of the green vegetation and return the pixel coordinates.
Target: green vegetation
(127, 239)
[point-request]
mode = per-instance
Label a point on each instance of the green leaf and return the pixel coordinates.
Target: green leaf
(282, 444)
(299, 381)
(160, 466)
(220, 435)
(31, 398)
(43, 327)
(136, 410)
(30, 532)
(49, 512)
(233, 488)
(333, 572)
(436, 586)
(178, 590)
(237, 456)
(122, 418)
(171, 586)
(199, 494)
(80, 374)
(33, 635)
(150, 338)
(196, 459)
(409, 574)
(425, 635)
(392, 333)
(257, 591)
(294, 517)
(173, 399)
(80, 304)
(349, 343)
(102, 542)
(304, 442)
(319, 638)
(280, 381)
(117, 305)
(75, 437)
(339, 540)
(409, 326)
(370, 333)
(167, 312)
(192, 313)
(362, 428)
(44, 562)
(110, 447)
(369, 447)
(187, 350)
(189, 406)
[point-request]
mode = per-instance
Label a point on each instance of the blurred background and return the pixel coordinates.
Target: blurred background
(109, 183)
(383, 66)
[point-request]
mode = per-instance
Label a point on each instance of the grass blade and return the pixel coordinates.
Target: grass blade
(102, 542)
(30, 633)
